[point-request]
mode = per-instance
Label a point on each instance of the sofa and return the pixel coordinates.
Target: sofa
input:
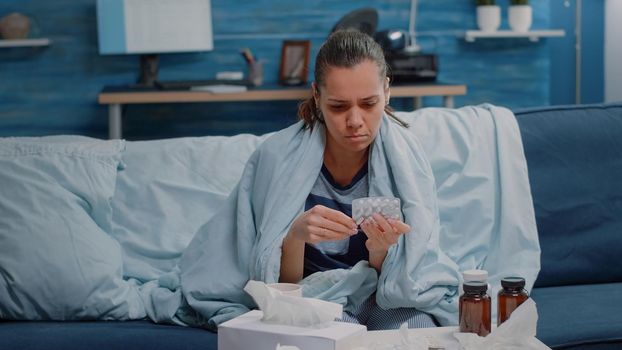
(574, 157)
(144, 188)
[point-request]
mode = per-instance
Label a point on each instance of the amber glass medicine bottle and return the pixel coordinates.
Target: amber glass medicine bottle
(510, 297)
(474, 310)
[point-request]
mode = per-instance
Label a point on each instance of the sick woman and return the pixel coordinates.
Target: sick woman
(290, 217)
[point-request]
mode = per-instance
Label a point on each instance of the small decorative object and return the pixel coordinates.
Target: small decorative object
(255, 67)
(255, 73)
(488, 15)
(294, 62)
(520, 15)
(14, 26)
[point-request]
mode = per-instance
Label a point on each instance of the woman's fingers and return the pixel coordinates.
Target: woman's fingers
(383, 224)
(391, 225)
(376, 240)
(326, 224)
(386, 231)
(336, 216)
(372, 230)
(324, 234)
(399, 226)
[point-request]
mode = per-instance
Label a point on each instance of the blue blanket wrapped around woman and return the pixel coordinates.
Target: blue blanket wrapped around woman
(486, 219)
(243, 240)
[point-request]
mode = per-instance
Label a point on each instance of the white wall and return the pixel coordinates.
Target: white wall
(613, 50)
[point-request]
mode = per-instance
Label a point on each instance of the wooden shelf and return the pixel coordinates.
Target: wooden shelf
(25, 42)
(270, 94)
(117, 96)
(533, 35)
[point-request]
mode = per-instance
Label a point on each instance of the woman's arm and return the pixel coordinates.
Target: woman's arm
(376, 259)
(292, 259)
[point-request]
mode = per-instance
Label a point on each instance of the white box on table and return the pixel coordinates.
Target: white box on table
(249, 332)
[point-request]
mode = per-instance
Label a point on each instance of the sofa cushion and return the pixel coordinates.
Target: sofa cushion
(56, 260)
(574, 156)
(167, 190)
(103, 336)
(579, 315)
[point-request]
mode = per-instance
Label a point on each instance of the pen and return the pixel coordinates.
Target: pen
(248, 56)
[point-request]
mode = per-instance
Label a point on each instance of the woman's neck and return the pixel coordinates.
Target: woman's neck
(344, 166)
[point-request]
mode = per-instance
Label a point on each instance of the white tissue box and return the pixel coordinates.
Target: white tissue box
(249, 332)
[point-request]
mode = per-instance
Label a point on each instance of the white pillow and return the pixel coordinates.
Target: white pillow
(168, 189)
(56, 260)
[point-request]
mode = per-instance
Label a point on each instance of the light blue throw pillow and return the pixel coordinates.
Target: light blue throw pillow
(56, 260)
(168, 189)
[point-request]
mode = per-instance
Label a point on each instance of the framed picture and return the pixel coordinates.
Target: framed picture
(294, 62)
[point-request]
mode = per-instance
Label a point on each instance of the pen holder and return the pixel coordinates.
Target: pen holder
(255, 73)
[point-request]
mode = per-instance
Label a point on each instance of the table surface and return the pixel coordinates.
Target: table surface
(439, 336)
(373, 340)
(116, 96)
(121, 95)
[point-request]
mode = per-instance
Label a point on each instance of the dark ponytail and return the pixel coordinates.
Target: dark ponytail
(309, 112)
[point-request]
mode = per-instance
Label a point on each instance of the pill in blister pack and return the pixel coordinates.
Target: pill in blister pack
(362, 208)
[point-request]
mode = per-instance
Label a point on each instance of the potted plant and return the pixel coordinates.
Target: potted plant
(520, 15)
(488, 15)
(14, 26)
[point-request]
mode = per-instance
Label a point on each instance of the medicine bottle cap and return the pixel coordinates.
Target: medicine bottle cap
(513, 282)
(475, 287)
(475, 275)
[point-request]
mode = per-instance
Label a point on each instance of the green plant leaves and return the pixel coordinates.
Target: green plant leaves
(484, 2)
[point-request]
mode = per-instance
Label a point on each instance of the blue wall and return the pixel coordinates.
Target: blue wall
(563, 82)
(54, 90)
(593, 54)
(563, 53)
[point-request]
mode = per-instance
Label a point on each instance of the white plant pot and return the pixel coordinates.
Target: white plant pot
(488, 17)
(520, 17)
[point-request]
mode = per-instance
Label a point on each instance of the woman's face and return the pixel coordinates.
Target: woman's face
(352, 101)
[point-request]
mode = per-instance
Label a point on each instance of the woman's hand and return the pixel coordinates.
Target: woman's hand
(315, 225)
(322, 224)
(381, 234)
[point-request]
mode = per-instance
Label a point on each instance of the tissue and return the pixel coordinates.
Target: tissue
(286, 347)
(291, 310)
(403, 340)
(518, 332)
(411, 341)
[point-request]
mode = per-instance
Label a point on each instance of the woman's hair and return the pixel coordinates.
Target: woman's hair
(344, 49)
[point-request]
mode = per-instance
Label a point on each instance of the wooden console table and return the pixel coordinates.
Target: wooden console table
(115, 98)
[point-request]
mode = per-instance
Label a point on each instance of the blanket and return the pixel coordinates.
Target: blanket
(485, 219)
(485, 204)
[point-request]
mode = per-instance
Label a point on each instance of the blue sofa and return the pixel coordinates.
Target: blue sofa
(574, 156)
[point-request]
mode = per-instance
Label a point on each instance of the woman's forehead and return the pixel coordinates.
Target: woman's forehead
(366, 68)
(360, 81)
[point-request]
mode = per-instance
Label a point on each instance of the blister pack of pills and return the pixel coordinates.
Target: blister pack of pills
(362, 208)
